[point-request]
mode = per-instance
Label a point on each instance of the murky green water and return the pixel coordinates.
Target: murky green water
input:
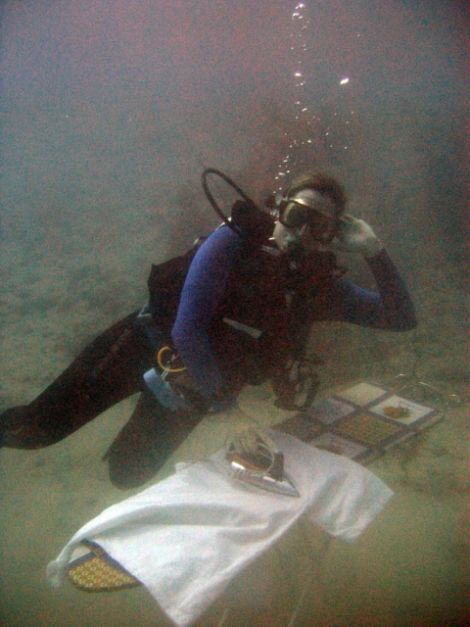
(110, 112)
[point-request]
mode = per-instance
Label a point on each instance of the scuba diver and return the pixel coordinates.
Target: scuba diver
(235, 310)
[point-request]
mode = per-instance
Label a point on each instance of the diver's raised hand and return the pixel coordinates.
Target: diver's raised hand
(356, 236)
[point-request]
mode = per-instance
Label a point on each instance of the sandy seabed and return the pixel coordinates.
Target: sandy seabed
(411, 567)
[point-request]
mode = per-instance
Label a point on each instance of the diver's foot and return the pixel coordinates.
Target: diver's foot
(20, 428)
(13, 425)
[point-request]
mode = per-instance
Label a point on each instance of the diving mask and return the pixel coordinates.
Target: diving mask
(312, 209)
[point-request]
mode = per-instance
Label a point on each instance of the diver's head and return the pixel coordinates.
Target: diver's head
(309, 214)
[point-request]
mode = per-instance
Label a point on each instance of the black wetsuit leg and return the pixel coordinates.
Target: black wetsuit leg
(107, 371)
(147, 440)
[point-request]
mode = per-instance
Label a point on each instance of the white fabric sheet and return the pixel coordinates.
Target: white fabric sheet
(185, 537)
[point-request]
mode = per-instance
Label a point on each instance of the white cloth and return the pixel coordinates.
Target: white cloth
(185, 537)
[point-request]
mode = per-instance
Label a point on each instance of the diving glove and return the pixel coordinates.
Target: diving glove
(356, 236)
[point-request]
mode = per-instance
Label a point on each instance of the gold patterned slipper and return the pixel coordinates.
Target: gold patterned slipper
(93, 570)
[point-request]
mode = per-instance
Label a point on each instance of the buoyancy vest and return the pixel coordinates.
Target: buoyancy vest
(261, 321)
(252, 322)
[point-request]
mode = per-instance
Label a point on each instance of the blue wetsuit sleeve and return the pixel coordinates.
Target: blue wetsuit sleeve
(202, 292)
(388, 308)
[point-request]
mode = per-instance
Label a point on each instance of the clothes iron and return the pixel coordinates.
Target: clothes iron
(263, 469)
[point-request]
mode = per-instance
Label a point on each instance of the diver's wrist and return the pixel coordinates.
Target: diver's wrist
(372, 248)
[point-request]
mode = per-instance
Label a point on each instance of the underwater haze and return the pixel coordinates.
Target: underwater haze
(111, 110)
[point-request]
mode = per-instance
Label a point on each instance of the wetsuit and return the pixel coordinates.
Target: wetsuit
(318, 293)
(229, 282)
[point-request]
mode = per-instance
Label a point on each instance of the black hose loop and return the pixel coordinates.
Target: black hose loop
(211, 199)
